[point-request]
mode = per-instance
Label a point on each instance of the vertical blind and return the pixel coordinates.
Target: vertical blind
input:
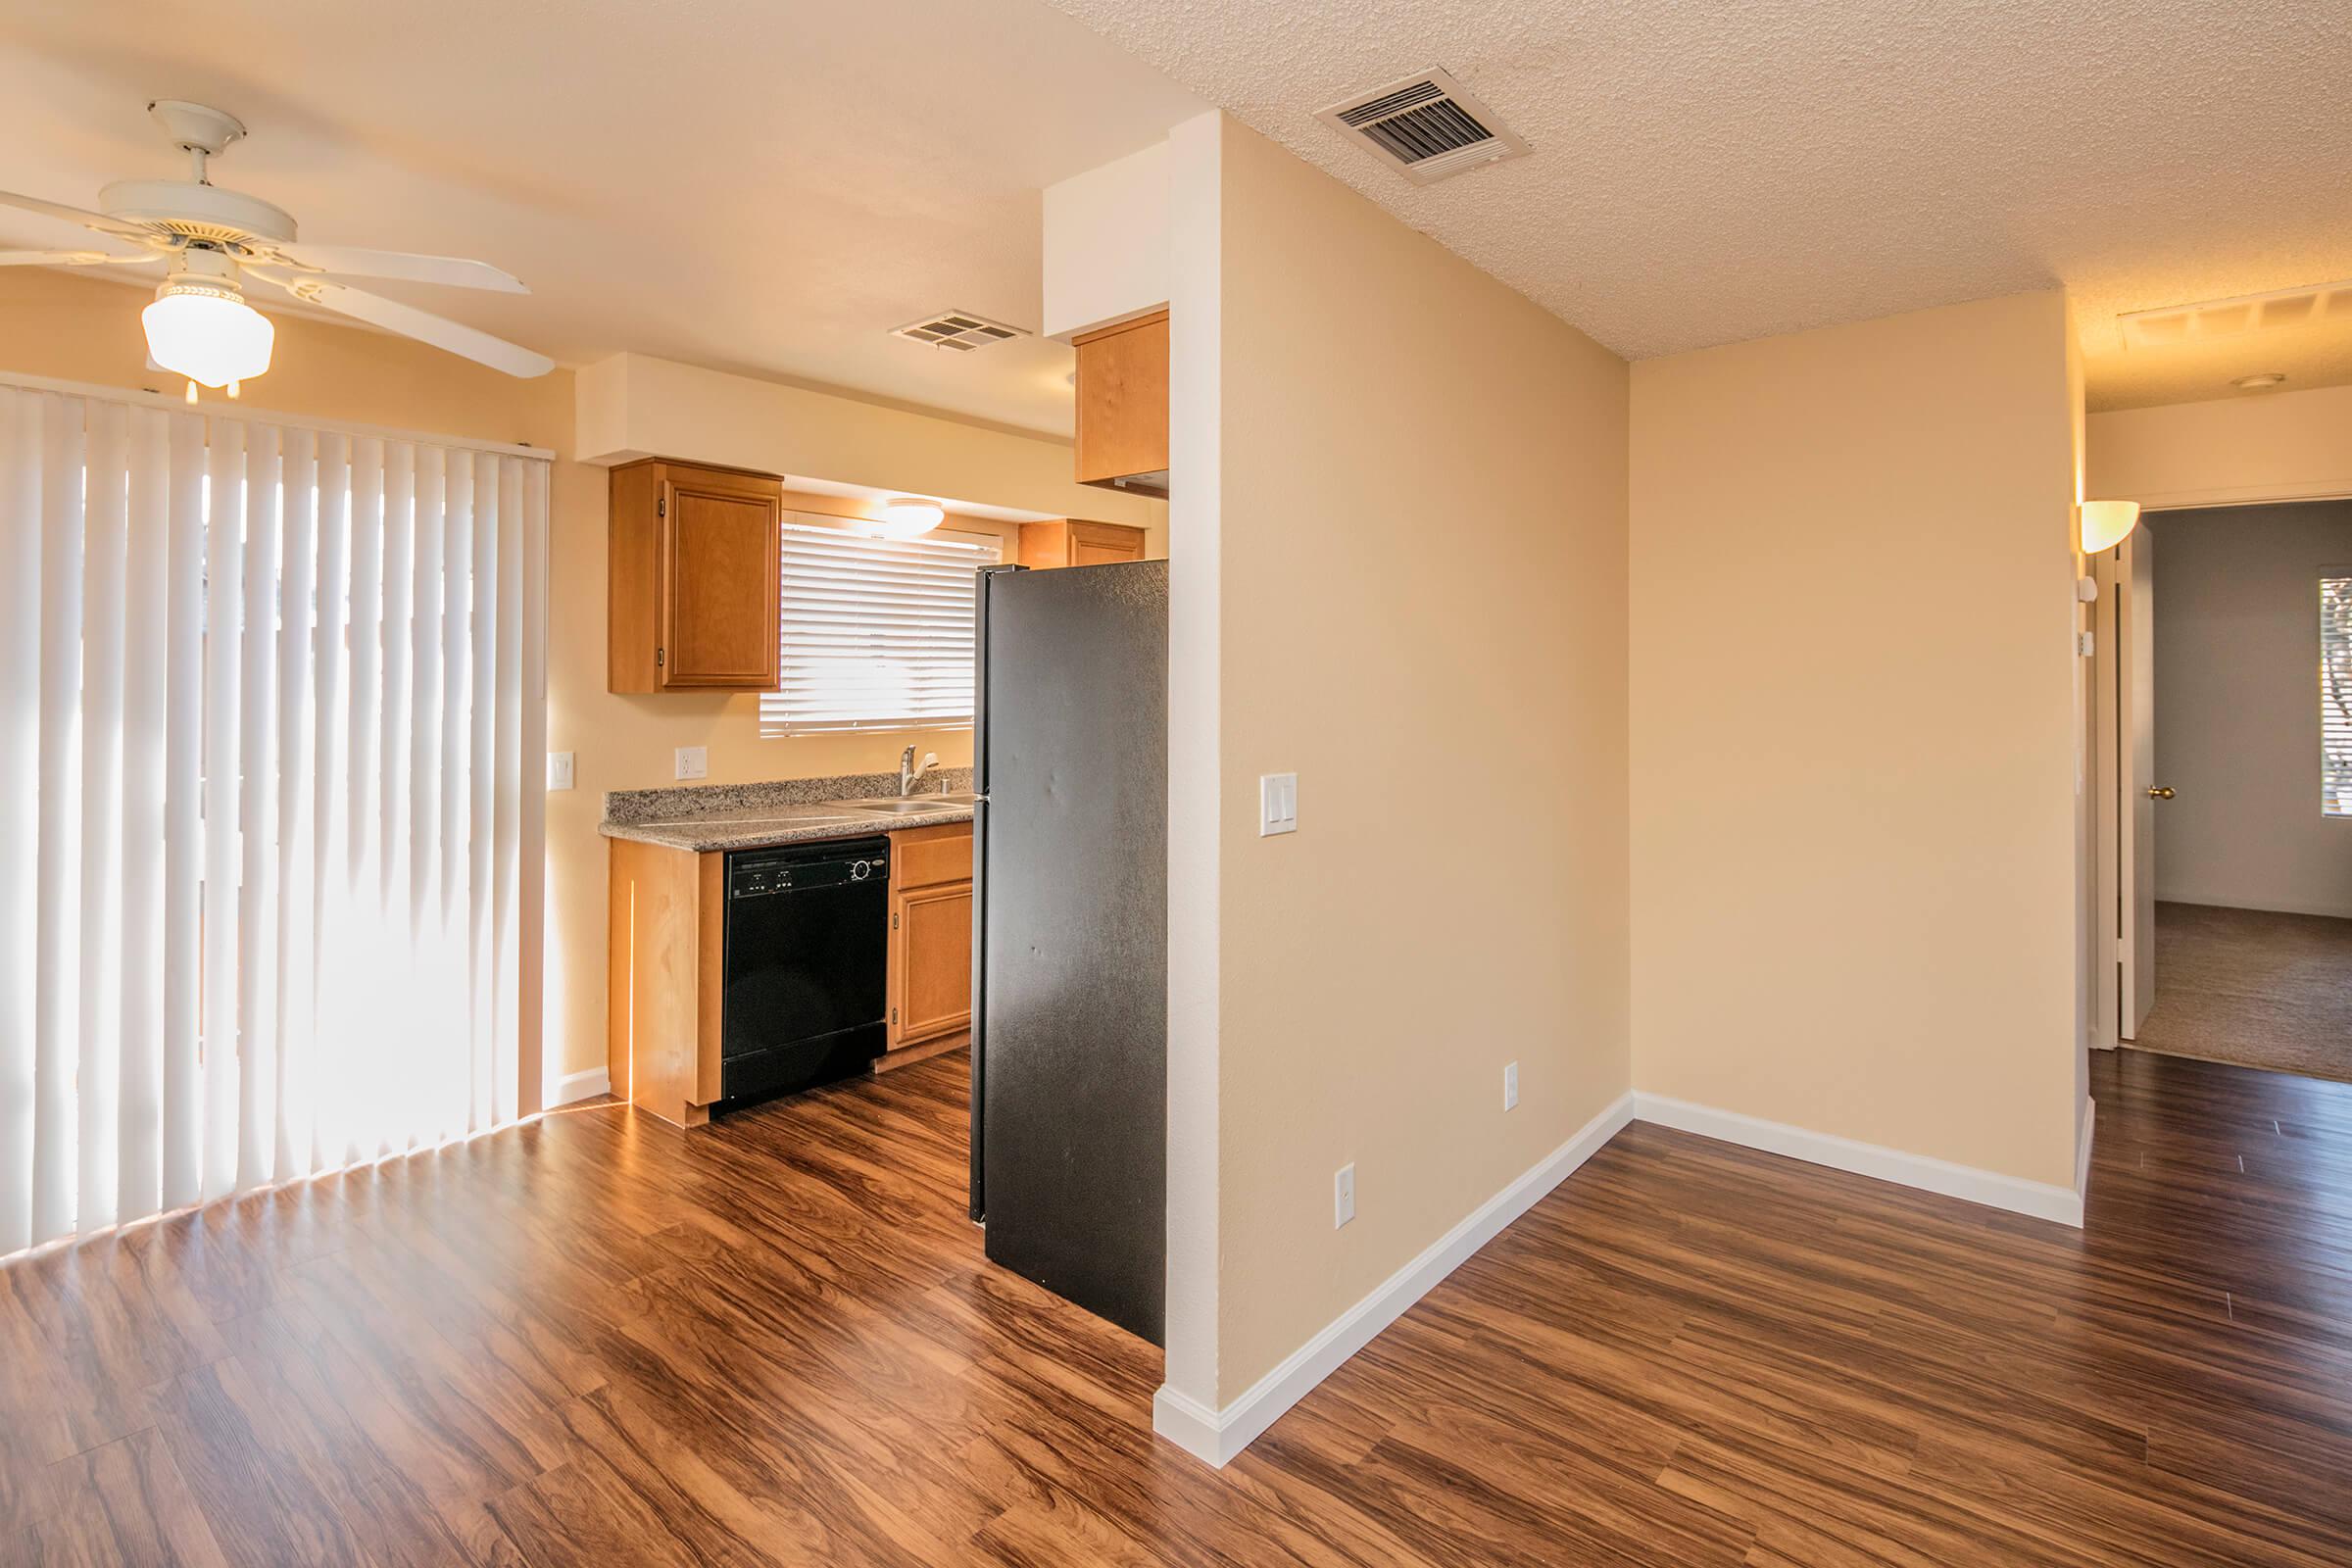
(266, 866)
(2335, 695)
(878, 633)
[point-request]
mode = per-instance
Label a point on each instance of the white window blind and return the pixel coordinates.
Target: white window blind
(2335, 695)
(267, 867)
(878, 633)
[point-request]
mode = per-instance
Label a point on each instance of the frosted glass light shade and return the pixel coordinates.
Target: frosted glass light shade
(209, 336)
(2107, 523)
(905, 518)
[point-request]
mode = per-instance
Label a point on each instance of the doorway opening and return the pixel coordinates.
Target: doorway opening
(2225, 704)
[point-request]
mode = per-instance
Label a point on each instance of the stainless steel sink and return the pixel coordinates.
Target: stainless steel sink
(900, 804)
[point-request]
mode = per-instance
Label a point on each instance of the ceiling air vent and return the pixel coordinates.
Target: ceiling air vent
(2319, 304)
(1425, 127)
(960, 330)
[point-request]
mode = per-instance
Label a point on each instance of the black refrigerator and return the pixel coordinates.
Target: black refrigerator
(1069, 952)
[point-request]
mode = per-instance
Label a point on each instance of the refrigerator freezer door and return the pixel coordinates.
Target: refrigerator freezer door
(1070, 1056)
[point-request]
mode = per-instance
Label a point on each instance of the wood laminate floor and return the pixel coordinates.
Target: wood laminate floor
(2252, 987)
(597, 1341)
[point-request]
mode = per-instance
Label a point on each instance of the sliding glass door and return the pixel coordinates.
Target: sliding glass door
(267, 853)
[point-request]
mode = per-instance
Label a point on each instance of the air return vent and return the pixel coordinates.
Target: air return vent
(2321, 305)
(960, 330)
(1424, 127)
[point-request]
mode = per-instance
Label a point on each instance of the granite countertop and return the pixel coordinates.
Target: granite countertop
(703, 817)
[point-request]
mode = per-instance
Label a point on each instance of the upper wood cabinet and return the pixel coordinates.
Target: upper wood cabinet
(1123, 406)
(693, 578)
(1075, 542)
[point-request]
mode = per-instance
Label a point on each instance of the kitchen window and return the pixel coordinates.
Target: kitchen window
(878, 633)
(2335, 695)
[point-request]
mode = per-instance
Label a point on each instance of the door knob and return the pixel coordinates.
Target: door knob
(2159, 792)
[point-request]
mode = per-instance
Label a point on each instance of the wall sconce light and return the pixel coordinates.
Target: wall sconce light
(2107, 523)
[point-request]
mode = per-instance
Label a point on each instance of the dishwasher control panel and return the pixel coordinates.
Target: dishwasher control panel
(759, 876)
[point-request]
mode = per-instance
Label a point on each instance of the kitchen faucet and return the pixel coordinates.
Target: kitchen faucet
(910, 775)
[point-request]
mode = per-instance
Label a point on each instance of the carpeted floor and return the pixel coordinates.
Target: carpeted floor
(2250, 987)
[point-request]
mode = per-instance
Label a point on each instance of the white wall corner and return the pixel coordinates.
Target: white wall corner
(1217, 1436)
(2083, 1138)
(1192, 175)
(1993, 1189)
(1106, 235)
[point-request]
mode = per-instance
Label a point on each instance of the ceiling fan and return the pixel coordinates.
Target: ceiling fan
(213, 239)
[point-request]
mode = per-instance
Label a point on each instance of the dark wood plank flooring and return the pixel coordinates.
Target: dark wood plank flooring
(598, 1341)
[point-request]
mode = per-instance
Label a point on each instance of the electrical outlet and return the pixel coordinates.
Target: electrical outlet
(694, 761)
(1343, 1196)
(1510, 1086)
(560, 770)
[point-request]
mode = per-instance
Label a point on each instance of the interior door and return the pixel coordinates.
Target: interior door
(2135, 777)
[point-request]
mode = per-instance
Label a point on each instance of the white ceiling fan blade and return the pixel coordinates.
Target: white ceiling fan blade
(358, 261)
(408, 321)
(69, 257)
(75, 215)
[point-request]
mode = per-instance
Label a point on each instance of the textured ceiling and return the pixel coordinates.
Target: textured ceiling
(765, 186)
(1706, 172)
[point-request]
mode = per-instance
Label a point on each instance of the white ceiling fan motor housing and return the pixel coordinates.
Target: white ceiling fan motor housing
(197, 211)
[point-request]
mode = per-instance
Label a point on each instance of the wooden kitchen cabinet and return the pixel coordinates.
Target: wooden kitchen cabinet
(1074, 542)
(1123, 406)
(930, 942)
(693, 578)
(666, 980)
(666, 930)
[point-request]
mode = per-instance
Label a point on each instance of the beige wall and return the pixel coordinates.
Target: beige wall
(2272, 446)
(1856, 733)
(81, 329)
(1406, 538)
(2237, 707)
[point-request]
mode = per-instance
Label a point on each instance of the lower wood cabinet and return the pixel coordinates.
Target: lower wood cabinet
(665, 934)
(930, 941)
(666, 945)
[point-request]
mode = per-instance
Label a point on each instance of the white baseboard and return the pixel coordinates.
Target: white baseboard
(574, 1087)
(2258, 903)
(2041, 1200)
(1216, 1435)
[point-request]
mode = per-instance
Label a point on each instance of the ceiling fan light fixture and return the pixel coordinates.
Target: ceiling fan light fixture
(905, 518)
(201, 328)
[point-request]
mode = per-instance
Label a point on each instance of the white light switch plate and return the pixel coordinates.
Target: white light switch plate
(1510, 1085)
(560, 770)
(694, 761)
(1277, 804)
(1343, 1196)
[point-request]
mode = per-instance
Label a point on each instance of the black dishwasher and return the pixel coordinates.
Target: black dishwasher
(808, 937)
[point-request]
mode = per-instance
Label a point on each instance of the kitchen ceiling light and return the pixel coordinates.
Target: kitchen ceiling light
(2107, 523)
(906, 517)
(2258, 381)
(200, 326)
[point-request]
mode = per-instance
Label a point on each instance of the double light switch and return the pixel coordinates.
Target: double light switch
(1277, 804)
